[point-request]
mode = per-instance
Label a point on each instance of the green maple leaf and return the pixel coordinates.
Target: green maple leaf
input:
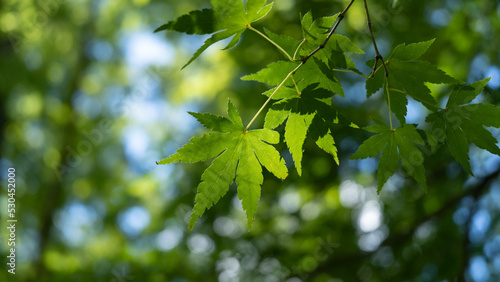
(407, 77)
(287, 43)
(313, 72)
(307, 113)
(239, 156)
(376, 82)
(196, 22)
(395, 145)
(273, 74)
(461, 123)
(332, 56)
(227, 18)
(315, 33)
(316, 71)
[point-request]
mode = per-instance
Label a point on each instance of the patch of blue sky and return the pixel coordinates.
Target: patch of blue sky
(143, 49)
(134, 220)
(481, 222)
(478, 269)
(76, 221)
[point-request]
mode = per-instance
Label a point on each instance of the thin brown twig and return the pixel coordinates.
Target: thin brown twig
(339, 19)
(396, 238)
(304, 60)
(378, 57)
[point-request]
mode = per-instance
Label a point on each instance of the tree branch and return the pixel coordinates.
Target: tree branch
(397, 238)
(377, 53)
(339, 19)
(53, 196)
(304, 60)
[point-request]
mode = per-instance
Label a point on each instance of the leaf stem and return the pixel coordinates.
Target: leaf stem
(274, 92)
(374, 72)
(348, 71)
(416, 98)
(296, 87)
(303, 60)
(298, 48)
(388, 100)
(272, 42)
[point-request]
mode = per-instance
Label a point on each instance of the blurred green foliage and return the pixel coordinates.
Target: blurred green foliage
(91, 99)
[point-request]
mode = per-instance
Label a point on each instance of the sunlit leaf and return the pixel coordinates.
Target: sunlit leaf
(240, 155)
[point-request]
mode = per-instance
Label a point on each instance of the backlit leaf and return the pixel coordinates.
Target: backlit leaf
(227, 18)
(239, 155)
